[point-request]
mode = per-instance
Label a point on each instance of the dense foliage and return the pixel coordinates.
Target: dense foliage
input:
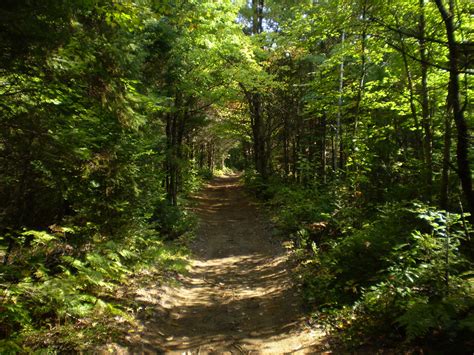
(102, 103)
(352, 119)
(363, 150)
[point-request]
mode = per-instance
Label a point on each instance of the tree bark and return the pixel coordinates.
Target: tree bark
(454, 104)
(425, 111)
(444, 193)
(286, 159)
(323, 147)
(255, 102)
(257, 23)
(339, 111)
(418, 145)
(363, 69)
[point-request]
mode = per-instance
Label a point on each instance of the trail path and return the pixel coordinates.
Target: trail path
(239, 296)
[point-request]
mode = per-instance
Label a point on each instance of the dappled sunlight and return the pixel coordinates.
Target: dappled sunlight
(237, 295)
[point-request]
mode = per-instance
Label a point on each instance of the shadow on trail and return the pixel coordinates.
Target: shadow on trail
(209, 321)
(238, 296)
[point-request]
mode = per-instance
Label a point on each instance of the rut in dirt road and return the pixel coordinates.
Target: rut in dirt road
(239, 296)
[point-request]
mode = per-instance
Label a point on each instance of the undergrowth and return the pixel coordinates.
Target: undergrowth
(69, 288)
(47, 298)
(387, 275)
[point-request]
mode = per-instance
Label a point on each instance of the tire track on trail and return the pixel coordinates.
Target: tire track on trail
(239, 296)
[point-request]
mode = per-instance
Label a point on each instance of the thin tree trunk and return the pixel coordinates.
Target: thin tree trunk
(418, 129)
(297, 154)
(333, 150)
(168, 163)
(363, 58)
(323, 147)
(339, 111)
(255, 102)
(313, 148)
(295, 159)
(286, 160)
(425, 111)
(360, 92)
(462, 150)
(444, 193)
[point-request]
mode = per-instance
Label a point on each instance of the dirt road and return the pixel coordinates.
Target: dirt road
(239, 296)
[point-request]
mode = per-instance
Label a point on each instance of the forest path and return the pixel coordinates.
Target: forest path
(239, 296)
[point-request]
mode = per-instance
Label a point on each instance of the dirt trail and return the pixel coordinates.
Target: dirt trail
(238, 297)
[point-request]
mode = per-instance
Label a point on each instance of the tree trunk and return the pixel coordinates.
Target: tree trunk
(462, 150)
(175, 122)
(444, 193)
(425, 111)
(258, 134)
(255, 103)
(168, 161)
(323, 147)
(286, 159)
(418, 130)
(257, 23)
(363, 70)
(338, 137)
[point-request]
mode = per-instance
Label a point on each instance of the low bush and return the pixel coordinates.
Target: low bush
(401, 277)
(377, 274)
(55, 285)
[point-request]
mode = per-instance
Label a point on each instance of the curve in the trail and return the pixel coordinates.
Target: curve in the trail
(239, 295)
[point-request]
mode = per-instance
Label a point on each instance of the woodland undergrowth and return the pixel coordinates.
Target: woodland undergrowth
(390, 275)
(59, 293)
(61, 296)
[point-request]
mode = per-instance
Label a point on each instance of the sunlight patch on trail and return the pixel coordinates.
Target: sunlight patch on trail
(238, 294)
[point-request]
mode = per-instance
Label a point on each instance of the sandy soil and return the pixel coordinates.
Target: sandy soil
(239, 296)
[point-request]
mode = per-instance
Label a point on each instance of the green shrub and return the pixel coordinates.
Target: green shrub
(83, 283)
(410, 286)
(172, 221)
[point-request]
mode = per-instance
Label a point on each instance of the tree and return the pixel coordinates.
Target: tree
(454, 103)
